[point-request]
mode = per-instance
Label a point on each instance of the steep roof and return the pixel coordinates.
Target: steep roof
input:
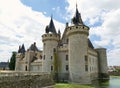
(51, 27)
(33, 47)
(90, 45)
(77, 18)
(21, 49)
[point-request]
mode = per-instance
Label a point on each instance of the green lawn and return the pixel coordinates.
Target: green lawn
(61, 85)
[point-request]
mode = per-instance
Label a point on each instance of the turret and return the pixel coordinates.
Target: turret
(50, 42)
(102, 63)
(77, 46)
(20, 55)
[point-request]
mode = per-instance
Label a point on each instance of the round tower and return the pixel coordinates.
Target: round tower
(50, 43)
(77, 46)
(102, 62)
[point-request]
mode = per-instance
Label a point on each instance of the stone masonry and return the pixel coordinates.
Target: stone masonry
(25, 81)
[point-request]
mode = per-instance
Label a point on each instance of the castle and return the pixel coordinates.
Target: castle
(72, 55)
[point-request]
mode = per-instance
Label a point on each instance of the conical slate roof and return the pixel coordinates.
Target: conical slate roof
(21, 49)
(51, 27)
(77, 18)
(33, 47)
(90, 45)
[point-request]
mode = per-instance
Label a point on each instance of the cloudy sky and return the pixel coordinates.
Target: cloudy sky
(24, 21)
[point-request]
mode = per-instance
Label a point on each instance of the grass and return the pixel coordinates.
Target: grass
(115, 76)
(62, 85)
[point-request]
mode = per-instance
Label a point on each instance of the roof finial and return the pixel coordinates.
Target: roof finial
(77, 18)
(51, 16)
(76, 3)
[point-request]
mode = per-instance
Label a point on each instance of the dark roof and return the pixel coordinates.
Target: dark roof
(34, 58)
(51, 27)
(77, 18)
(21, 49)
(33, 47)
(90, 45)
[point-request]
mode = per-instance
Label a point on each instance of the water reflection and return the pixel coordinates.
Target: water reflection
(114, 82)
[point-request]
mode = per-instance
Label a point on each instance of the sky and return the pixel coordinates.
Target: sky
(24, 21)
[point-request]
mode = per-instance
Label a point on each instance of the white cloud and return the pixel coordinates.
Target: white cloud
(20, 24)
(107, 11)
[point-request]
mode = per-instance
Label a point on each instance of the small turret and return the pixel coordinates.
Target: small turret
(59, 33)
(21, 49)
(102, 63)
(33, 47)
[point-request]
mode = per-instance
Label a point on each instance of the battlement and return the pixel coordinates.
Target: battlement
(63, 48)
(78, 29)
(50, 37)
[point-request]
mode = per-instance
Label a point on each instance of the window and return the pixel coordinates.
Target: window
(86, 59)
(51, 68)
(67, 40)
(44, 44)
(25, 68)
(67, 68)
(54, 50)
(86, 67)
(66, 57)
(44, 57)
(40, 56)
(51, 57)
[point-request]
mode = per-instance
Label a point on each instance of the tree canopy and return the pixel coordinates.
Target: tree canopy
(12, 61)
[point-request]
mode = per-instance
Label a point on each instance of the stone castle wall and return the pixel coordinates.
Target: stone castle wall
(25, 80)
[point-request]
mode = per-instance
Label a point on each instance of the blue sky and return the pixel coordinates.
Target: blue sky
(48, 7)
(24, 21)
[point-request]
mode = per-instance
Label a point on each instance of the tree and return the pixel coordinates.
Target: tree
(12, 61)
(55, 63)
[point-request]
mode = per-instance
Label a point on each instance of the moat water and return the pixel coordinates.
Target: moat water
(114, 82)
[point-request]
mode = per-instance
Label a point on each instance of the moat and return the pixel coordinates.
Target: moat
(114, 82)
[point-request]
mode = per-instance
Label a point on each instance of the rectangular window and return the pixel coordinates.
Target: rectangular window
(51, 57)
(54, 50)
(44, 57)
(66, 57)
(86, 59)
(86, 67)
(67, 40)
(67, 68)
(51, 68)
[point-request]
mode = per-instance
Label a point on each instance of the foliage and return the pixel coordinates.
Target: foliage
(55, 65)
(60, 85)
(12, 61)
(118, 70)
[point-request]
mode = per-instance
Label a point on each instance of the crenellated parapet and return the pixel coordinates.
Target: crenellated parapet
(63, 48)
(46, 37)
(81, 29)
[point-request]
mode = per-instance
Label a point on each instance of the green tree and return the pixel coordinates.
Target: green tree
(55, 69)
(12, 61)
